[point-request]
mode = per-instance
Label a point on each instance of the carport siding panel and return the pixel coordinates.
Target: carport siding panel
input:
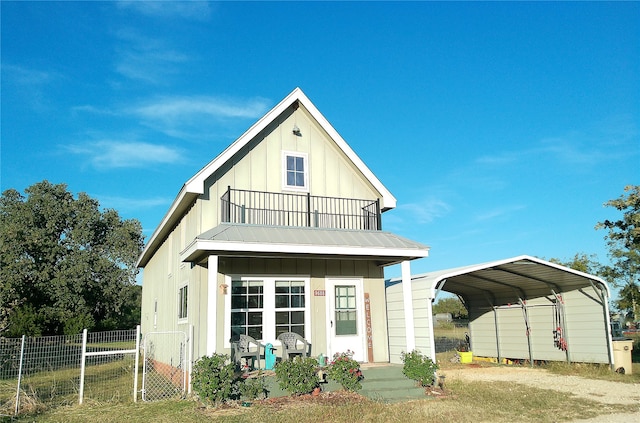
(512, 333)
(483, 332)
(395, 323)
(587, 335)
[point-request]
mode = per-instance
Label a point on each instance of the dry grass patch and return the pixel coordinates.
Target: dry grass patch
(485, 401)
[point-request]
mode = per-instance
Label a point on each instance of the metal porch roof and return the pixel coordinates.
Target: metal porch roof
(522, 277)
(276, 241)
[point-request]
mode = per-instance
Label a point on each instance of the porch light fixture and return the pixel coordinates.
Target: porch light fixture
(296, 131)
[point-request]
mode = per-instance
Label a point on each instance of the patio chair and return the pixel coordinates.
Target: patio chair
(244, 348)
(293, 344)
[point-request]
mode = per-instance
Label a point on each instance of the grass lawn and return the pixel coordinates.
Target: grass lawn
(464, 401)
(496, 402)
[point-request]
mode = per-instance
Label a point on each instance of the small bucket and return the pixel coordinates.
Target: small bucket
(466, 357)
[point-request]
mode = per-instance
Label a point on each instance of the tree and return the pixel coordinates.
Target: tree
(582, 263)
(623, 240)
(451, 305)
(64, 264)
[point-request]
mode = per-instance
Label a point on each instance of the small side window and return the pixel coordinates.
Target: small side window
(183, 296)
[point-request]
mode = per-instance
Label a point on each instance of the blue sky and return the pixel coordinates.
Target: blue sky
(501, 128)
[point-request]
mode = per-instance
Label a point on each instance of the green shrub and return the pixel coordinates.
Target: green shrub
(297, 376)
(214, 379)
(346, 371)
(254, 388)
(419, 367)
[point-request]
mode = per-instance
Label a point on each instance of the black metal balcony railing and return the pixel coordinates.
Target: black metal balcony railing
(281, 209)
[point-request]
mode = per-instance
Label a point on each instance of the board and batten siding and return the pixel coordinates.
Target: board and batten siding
(259, 166)
(396, 323)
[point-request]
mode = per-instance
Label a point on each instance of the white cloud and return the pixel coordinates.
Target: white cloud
(425, 211)
(498, 212)
(29, 85)
(118, 154)
(123, 204)
(25, 76)
(146, 59)
(195, 10)
(174, 108)
(197, 118)
(601, 142)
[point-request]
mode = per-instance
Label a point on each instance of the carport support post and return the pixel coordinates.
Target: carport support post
(495, 324)
(407, 297)
(525, 314)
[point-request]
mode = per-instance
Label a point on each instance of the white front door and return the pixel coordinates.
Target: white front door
(345, 318)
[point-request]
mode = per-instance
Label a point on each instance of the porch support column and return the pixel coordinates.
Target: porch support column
(407, 296)
(212, 302)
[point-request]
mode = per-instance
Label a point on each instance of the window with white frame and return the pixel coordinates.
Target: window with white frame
(263, 308)
(247, 304)
(295, 175)
(183, 296)
(290, 303)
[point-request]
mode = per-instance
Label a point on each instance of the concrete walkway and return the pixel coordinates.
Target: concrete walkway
(382, 382)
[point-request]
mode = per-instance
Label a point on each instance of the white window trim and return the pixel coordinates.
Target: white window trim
(305, 158)
(269, 307)
(186, 318)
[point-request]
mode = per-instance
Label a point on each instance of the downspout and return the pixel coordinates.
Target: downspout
(432, 341)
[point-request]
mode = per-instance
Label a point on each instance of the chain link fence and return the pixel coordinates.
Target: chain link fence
(39, 372)
(166, 361)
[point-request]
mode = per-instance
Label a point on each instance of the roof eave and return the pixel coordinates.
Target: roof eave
(200, 247)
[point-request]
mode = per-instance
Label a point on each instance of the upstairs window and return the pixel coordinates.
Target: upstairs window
(295, 171)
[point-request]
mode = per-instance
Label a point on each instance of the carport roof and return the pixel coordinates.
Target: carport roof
(523, 277)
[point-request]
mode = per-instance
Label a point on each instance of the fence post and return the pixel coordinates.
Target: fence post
(190, 358)
(82, 366)
(19, 376)
(137, 363)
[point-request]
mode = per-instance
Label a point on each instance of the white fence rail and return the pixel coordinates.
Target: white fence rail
(58, 370)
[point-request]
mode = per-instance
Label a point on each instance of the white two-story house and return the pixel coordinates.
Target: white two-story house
(282, 232)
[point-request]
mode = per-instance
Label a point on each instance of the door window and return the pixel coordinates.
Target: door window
(345, 312)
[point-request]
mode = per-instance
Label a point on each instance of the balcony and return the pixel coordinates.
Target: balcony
(282, 209)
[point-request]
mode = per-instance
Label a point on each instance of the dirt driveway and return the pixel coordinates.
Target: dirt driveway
(595, 390)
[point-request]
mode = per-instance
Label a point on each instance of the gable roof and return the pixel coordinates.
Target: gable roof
(522, 276)
(292, 241)
(196, 185)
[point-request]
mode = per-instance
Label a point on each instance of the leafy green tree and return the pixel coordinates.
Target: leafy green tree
(451, 305)
(582, 263)
(623, 240)
(64, 264)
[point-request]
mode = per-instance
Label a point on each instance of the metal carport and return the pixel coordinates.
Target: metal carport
(521, 308)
